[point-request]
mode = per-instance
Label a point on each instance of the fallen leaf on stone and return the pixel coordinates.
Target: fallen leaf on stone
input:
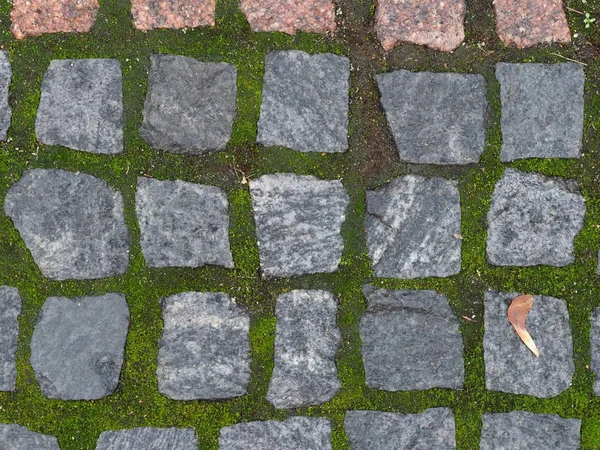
(517, 315)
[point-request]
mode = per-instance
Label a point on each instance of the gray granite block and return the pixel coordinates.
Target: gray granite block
(81, 106)
(148, 438)
(435, 118)
(5, 109)
(17, 437)
(182, 224)
(376, 430)
(410, 341)
(305, 102)
(509, 365)
(10, 308)
(298, 223)
(204, 352)
(77, 346)
(533, 220)
(413, 228)
(542, 110)
(72, 223)
(595, 348)
(521, 430)
(190, 105)
(294, 433)
(306, 343)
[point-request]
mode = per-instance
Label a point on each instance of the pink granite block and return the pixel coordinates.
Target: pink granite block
(151, 14)
(287, 16)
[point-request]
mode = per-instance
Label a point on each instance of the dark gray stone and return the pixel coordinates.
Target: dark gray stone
(82, 105)
(595, 348)
(533, 220)
(72, 223)
(520, 430)
(17, 437)
(148, 438)
(436, 118)
(542, 110)
(77, 346)
(410, 341)
(5, 109)
(375, 430)
(190, 105)
(204, 352)
(509, 365)
(305, 102)
(295, 433)
(10, 308)
(298, 223)
(413, 228)
(182, 224)
(306, 342)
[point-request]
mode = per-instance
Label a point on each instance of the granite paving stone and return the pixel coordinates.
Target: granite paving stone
(436, 118)
(204, 352)
(595, 348)
(10, 308)
(152, 14)
(148, 438)
(287, 16)
(305, 102)
(294, 433)
(182, 224)
(438, 25)
(521, 430)
(375, 430)
(533, 220)
(72, 223)
(542, 110)
(190, 105)
(17, 437)
(410, 341)
(509, 365)
(306, 343)
(413, 228)
(77, 346)
(5, 109)
(81, 105)
(298, 223)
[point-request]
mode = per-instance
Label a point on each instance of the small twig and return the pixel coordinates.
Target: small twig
(569, 59)
(575, 11)
(469, 319)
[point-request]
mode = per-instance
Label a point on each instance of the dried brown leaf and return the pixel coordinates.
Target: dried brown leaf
(517, 315)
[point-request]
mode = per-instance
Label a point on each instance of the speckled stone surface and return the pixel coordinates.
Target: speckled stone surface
(17, 437)
(147, 438)
(509, 365)
(306, 343)
(595, 348)
(35, 17)
(436, 118)
(5, 109)
(151, 14)
(298, 223)
(375, 430)
(525, 23)
(77, 346)
(410, 341)
(287, 16)
(438, 25)
(521, 430)
(10, 308)
(533, 220)
(412, 227)
(542, 110)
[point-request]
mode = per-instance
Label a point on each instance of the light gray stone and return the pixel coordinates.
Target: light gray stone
(376, 430)
(190, 105)
(5, 109)
(10, 308)
(295, 433)
(306, 342)
(413, 228)
(72, 223)
(305, 102)
(436, 118)
(410, 341)
(298, 223)
(17, 437)
(521, 430)
(533, 220)
(81, 106)
(595, 348)
(182, 224)
(542, 110)
(509, 365)
(147, 438)
(77, 346)
(204, 352)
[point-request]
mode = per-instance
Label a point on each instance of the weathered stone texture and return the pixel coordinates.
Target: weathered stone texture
(5, 109)
(151, 14)
(595, 348)
(17, 437)
(147, 438)
(287, 16)
(10, 308)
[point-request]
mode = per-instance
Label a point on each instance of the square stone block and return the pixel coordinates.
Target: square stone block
(10, 308)
(287, 16)
(151, 14)
(17, 437)
(148, 438)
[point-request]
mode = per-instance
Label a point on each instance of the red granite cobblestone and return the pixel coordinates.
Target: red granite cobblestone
(314, 16)
(151, 14)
